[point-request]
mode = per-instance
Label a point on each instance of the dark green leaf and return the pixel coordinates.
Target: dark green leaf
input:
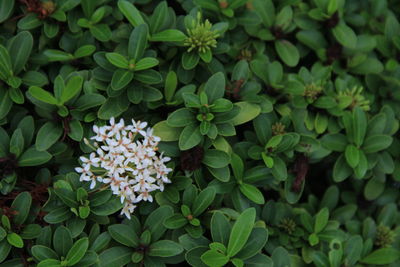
(382, 256)
(130, 12)
(115, 256)
(215, 87)
(138, 41)
(124, 235)
(164, 248)
(21, 204)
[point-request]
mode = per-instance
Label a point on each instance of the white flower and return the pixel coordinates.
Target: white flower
(137, 127)
(128, 209)
(130, 163)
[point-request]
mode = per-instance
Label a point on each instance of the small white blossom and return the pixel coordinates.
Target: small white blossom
(126, 159)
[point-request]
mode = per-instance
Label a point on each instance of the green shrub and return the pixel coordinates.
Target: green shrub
(199, 132)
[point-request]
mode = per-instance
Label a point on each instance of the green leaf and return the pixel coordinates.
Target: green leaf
(341, 170)
(51, 29)
(121, 78)
(42, 253)
(27, 127)
(84, 51)
(113, 107)
(257, 240)
(57, 55)
(214, 258)
(382, 256)
(33, 157)
(118, 60)
(376, 143)
(165, 132)
(101, 242)
(66, 195)
(248, 111)
(75, 130)
(17, 143)
(6, 8)
(259, 260)
(149, 76)
(77, 251)
(88, 101)
(266, 10)
(131, 13)
(281, 257)
(58, 215)
(146, 63)
(279, 169)
(72, 88)
(20, 47)
(203, 200)
(334, 142)
(159, 17)
(50, 263)
(312, 38)
(62, 240)
(175, 221)
(190, 137)
(252, 193)
(31, 231)
(101, 32)
(374, 188)
(352, 155)
(90, 259)
(287, 52)
(353, 249)
(359, 126)
(171, 83)
(34, 78)
(5, 64)
(241, 231)
(138, 41)
(369, 66)
(5, 102)
(21, 204)
(108, 208)
(5, 249)
(84, 212)
(42, 95)
(216, 158)
(321, 220)
(124, 234)
(47, 136)
(165, 248)
(170, 35)
(115, 256)
(190, 60)
(215, 87)
(222, 174)
(181, 118)
(220, 228)
(154, 222)
(29, 22)
(345, 35)
(206, 56)
(237, 166)
(208, 4)
(15, 240)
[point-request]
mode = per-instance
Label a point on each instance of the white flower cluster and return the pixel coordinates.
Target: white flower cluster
(126, 160)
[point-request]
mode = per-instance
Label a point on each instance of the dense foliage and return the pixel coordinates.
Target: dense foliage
(278, 120)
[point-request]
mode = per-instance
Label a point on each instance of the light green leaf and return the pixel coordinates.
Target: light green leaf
(241, 231)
